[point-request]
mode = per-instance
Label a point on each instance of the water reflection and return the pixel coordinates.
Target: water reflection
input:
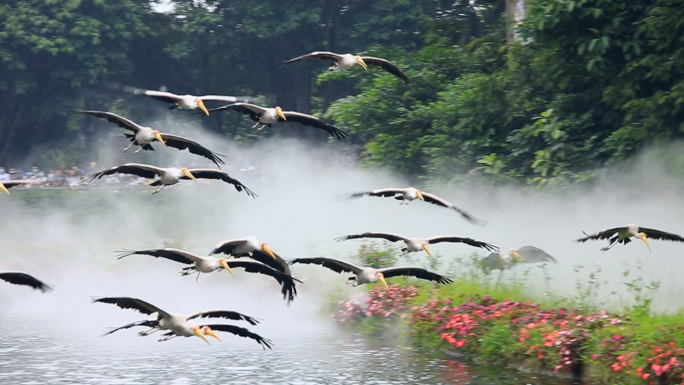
(36, 351)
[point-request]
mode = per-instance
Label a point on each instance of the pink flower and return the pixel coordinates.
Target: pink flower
(595, 357)
(617, 337)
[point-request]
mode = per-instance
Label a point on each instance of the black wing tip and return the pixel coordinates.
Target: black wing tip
(44, 288)
(343, 238)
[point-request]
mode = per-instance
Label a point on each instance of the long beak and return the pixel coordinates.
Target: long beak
(420, 196)
(199, 334)
(517, 256)
(268, 251)
(3, 188)
(381, 278)
(281, 114)
(210, 332)
(158, 136)
(427, 249)
(225, 266)
(643, 238)
(188, 174)
(362, 63)
(200, 104)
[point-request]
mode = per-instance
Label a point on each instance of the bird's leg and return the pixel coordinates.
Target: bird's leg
(138, 150)
(332, 67)
(158, 189)
(167, 338)
(198, 274)
(612, 243)
(255, 126)
(261, 128)
(129, 146)
(351, 281)
(148, 332)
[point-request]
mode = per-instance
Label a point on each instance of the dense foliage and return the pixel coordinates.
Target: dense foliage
(584, 83)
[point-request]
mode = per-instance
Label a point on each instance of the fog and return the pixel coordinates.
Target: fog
(299, 211)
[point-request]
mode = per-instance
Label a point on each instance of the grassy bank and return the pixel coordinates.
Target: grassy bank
(500, 322)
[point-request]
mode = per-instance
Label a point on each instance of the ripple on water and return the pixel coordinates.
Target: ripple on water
(56, 356)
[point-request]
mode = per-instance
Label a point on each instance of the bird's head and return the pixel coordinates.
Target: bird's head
(208, 332)
(427, 249)
(419, 194)
(517, 256)
(3, 188)
(381, 279)
(267, 250)
(362, 63)
(200, 105)
(187, 173)
(280, 113)
(157, 135)
(642, 236)
(196, 331)
(224, 264)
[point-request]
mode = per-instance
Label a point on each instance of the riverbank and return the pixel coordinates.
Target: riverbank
(632, 346)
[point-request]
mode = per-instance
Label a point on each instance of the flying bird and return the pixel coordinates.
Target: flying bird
(143, 136)
(346, 61)
(169, 176)
(525, 254)
(364, 275)
(624, 233)
(6, 185)
(265, 116)
(24, 279)
(250, 247)
(236, 330)
(211, 264)
(418, 244)
(409, 194)
(178, 324)
(189, 102)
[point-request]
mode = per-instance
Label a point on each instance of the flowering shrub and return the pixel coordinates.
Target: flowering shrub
(379, 303)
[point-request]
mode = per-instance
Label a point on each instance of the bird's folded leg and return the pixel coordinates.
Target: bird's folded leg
(158, 189)
(129, 146)
(148, 332)
(257, 124)
(138, 150)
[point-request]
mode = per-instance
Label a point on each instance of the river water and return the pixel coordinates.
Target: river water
(34, 351)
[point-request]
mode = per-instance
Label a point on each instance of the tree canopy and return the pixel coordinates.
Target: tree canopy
(585, 83)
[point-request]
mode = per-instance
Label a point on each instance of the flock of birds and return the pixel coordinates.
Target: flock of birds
(255, 256)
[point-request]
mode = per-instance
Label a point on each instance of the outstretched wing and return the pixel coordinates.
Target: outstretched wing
(333, 264)
(661, 235)
(133, 303)
(320, 55)
(388, 236)
(308, 120)
(278, 263)
(182, 143)
(467, 241)
(252, 110)
(113, 118)
(286, 281)
(179, 256)
(241, 332)
(531, 254)
(387, 66)
(206, 173)
(605, 234)
(386, 192)
(227, 99)
(148, 323)
(416, 272)
(18, 278)
(141, 170)
(223, 314)
(435, 200)
(159, 95)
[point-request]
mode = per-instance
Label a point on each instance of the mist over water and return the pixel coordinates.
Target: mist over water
(300, 210)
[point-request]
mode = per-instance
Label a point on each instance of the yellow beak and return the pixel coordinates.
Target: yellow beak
(381, 278)
(420, 196)
(200, 104)
(643, 238)
(268, 251)
(280, 113)
(517, 256)
(3, 188)
(225, 266)
(361, 62)
(427, 249)
(210, 332)
(196, 330)
(158, 136)
(187, 173)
